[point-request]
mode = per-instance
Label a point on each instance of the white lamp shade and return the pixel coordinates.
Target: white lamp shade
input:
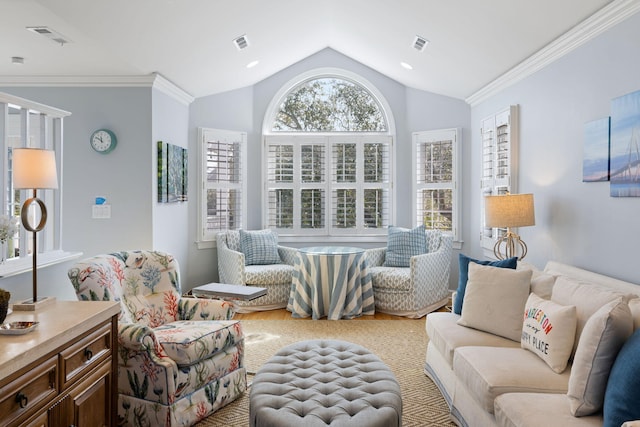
(34, 168)
(509, 210)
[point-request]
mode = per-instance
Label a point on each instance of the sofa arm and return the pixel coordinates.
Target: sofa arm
(288, 255)
(138, 337)
(375, 257)
(230, 264)
(205, 309)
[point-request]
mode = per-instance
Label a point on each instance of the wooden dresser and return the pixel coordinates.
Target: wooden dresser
(63, 373)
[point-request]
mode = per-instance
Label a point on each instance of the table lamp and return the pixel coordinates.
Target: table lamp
(507, 211)
(34, 169)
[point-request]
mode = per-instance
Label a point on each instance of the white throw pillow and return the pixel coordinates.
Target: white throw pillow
(548, 331)
(602, 338)
(494, 300)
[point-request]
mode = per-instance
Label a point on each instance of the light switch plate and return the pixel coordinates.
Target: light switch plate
(101, 212)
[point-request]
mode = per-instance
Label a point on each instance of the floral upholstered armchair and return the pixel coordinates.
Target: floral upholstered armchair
(419, 288)
(273, 272)
(179, 359)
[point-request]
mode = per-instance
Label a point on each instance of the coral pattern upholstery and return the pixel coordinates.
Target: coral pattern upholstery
(179, 359)
(275, 277)
(416, 290)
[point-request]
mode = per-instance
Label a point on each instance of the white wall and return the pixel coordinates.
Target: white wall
(576, 223)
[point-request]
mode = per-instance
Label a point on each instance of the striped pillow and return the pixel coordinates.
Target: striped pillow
(403, 243)
(259, 247)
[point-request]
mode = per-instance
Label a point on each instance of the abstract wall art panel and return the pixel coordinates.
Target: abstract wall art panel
(595, 162)
(172, 173)
(625, 145)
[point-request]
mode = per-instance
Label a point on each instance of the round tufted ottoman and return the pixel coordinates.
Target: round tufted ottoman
(325, 382)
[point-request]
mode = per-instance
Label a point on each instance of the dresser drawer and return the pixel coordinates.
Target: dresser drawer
(85, 354)
(30, 391)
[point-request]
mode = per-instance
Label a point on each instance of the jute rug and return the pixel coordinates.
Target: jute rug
(401, 344)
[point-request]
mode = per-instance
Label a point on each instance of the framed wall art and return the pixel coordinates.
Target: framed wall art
(595, 161)
(172, 173)
(625, 146)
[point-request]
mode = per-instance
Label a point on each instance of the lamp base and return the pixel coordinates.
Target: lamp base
(29, 305)
(511, 242)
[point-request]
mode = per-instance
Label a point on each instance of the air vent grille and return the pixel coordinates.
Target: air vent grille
(241, 42)
(420, 43)
(50, 34)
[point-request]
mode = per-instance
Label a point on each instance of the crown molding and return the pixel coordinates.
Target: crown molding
(153, 80)
(601, 21)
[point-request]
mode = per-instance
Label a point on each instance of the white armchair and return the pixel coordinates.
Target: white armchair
(416, 290)
(275, 277)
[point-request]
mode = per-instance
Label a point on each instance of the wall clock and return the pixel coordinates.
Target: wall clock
(103, 141)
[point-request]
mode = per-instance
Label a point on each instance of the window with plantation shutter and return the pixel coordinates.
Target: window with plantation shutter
(333, 185)
(222, 202)
(436, 175)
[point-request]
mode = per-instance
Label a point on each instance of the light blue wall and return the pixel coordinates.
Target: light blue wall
(576, 223)
(123, 177)
(245, 109)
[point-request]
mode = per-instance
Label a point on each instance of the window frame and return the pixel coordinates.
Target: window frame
(434, 136)
(206, 239)
(267, 125)
(47, 132)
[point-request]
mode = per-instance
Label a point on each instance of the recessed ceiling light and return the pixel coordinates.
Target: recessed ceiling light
(252, 64)
(18, 60)
(407, 66)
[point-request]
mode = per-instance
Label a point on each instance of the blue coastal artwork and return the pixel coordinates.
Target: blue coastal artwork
(625, 145)
(595, 163)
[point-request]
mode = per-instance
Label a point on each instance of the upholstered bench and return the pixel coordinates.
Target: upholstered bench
(322, 382)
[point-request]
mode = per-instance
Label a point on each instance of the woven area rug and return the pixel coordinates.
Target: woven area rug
(401, 344)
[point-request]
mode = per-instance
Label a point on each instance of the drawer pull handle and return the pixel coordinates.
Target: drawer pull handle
(88, 353)
(22, 400)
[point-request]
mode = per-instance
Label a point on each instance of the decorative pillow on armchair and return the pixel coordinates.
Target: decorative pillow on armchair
(403, 243)
(259, 247)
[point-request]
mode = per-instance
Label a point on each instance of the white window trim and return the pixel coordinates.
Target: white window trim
(50, 239)
(328, 233)
(436, 135)
(204, 239)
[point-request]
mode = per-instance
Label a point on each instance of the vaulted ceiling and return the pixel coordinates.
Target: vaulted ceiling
(190, 42)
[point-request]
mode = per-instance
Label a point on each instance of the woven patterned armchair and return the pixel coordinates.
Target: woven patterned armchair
(275, 277)
(179, 359)
(416, 290)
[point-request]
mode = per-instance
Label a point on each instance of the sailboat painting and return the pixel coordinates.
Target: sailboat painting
(625, 146)
(595, 163)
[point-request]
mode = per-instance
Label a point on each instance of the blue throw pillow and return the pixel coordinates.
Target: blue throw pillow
(403, 243)
(463, 263)
(259, 247)
(622, 396)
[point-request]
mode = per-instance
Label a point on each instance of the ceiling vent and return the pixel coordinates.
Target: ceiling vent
(241, 42)
(50, 34)
(420, 43)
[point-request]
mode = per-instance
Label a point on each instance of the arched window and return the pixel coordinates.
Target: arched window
(328, 157)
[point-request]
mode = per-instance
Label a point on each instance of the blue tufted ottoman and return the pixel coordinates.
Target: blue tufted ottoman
(325, 382)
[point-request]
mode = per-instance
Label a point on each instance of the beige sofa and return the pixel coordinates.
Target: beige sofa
(489, 380)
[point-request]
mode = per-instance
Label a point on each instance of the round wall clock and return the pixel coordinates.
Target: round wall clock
(103, 141)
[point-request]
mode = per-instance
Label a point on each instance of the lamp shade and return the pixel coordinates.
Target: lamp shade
(509, 210)
(34, 168)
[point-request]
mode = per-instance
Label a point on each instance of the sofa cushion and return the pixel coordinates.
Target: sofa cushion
(539, 409)
(403, 243)
(634, 305)
(446, 335)
(259, 247)
(586, 296)
(623, 387)
(463, 276)
(274, 274)
(391, 278)
(488, 372)
(548, 331)
(189, 342)
(541, 282)
(602, 337)
(494, 300)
